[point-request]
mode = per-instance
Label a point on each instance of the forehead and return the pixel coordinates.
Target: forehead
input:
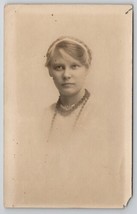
(60, 56)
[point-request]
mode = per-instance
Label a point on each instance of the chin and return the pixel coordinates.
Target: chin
(68, 92)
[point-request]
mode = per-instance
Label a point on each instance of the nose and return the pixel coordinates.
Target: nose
(66, 74)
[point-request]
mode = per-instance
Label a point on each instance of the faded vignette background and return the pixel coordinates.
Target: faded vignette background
(31, 29)
(30, 59)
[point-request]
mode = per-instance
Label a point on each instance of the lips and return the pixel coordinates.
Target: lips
(67, 84)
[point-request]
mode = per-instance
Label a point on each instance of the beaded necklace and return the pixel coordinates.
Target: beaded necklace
(65, 111)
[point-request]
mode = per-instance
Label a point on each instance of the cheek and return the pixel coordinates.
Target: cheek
(56, 78)
(81, 76)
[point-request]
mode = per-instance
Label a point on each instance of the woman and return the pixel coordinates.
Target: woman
(77, 157)
(68, 62)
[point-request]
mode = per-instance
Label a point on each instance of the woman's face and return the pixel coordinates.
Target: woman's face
(68, 73)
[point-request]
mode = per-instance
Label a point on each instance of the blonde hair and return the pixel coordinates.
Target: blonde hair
(72, 46)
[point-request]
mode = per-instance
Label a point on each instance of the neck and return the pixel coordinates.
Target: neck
(70, 100)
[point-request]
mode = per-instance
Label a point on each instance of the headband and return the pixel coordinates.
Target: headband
(71, 39)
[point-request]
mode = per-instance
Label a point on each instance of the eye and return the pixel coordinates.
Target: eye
(58, 67)
(75, 66)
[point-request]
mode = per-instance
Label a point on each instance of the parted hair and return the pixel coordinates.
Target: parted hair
(72, 46)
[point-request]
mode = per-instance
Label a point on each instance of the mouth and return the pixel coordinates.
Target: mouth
(67, 84)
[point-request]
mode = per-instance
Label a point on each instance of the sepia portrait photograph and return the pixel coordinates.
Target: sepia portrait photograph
(68, 105)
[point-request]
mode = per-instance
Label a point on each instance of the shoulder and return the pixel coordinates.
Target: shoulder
(46, 118)
(50, 109)
(48, 112)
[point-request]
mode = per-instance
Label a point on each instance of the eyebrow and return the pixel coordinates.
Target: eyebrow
(56, 64)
